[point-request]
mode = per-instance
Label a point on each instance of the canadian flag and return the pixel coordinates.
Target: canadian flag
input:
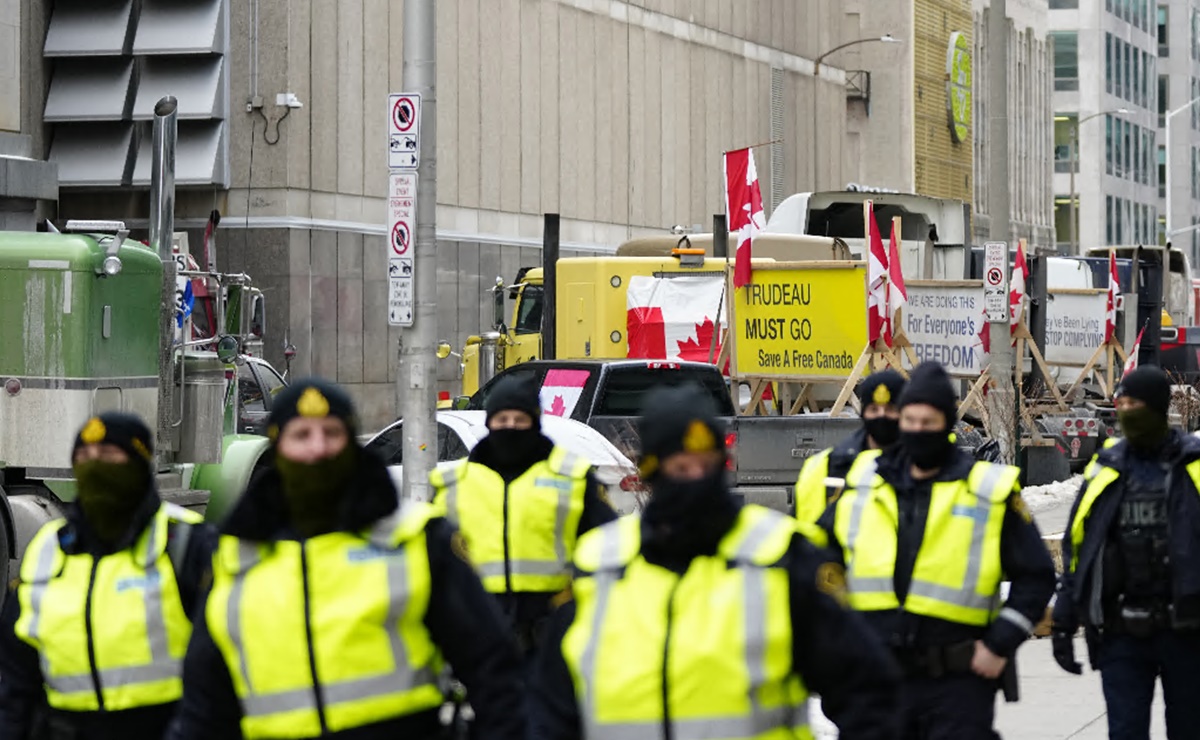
(897, 293)
(561, 391)
(673, 318)
(878, 326)
(743, 208)
(1110, 314)
(1016, 292)
(1131, 362)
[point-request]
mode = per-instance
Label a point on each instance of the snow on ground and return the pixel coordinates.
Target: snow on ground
(1041, 498)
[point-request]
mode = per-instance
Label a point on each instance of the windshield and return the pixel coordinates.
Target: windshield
(625, 387)
(529, 311)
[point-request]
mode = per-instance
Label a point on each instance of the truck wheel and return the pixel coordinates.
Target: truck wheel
(6, 558)
(1045, 465)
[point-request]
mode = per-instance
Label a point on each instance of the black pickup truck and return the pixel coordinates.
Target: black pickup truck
(607, 396)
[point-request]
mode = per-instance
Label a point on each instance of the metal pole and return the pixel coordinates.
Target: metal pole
(1072, 163)
(162, 233)
(1170, 192)
(549, 285)
(416, 377)
(1000, 399)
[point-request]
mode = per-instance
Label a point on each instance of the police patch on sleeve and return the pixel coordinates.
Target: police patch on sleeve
(1017, 503)
(458, 545)
(831, 581)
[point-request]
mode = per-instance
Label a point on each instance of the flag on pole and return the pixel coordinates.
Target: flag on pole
(877, 281)
(897, 293)
(1132, 362)
(1110, 315)
(743, 208)
(1016, 293)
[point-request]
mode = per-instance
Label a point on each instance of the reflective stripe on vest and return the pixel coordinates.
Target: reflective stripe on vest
(787, 721)
(363, 694)
(961, 601)
(812, 491)
(564, 473)
(137, 659)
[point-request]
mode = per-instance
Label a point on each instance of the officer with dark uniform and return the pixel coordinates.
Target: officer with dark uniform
(821, 476)
(332, 608)
(1131, 566)
(705, 618)
(99, 620)
(521, 502)
(927, 534)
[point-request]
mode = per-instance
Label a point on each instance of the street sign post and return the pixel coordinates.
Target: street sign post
(402, 228)
(404, 131)
(995, 281)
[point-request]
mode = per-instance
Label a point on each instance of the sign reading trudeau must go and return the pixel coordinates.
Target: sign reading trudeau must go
(797, 321)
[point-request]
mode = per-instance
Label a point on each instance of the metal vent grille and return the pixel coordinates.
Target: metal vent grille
(776, 135)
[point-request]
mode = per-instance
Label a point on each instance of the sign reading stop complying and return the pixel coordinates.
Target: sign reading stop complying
(800, 322)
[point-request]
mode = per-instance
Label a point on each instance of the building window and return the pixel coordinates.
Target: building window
(1195, 36)
(1128, 81)
(1162, 172)
(1108, 144)
(1164, 48)
(1108, 62)
(1063, 124)
(1135, 93)
(1108, 219)
(1066, 60)
(1064, 4)
(1195, 111)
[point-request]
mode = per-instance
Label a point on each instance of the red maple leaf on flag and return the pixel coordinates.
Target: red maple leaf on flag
(697, 348)
(557, 407)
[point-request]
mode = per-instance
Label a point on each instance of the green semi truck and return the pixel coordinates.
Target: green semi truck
(91, 322)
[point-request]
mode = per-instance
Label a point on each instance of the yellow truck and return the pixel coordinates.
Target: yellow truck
(592, 315)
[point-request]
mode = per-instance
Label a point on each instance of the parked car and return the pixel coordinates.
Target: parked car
(459, 431)
(258, 383)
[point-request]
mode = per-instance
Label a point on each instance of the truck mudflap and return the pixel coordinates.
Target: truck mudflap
(226, 481)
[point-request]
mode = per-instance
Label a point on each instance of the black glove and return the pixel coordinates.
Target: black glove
(1064, 651)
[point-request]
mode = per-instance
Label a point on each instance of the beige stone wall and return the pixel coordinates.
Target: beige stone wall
(10, 65)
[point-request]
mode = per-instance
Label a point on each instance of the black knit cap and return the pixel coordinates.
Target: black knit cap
(930, 384)
(1150, 385)
(515, 393)
(125, 431)
(677, 419)
(313, 398)
(883, 388)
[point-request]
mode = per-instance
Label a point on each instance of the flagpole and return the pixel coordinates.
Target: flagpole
(752, 146)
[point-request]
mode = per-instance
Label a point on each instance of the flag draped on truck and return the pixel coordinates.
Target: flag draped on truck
(674, 318)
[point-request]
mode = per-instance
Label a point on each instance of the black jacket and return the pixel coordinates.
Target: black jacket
(833, 651)
(462, 620)
(1023, 556)
(1080, 589)
(22, 693)
(524, 611)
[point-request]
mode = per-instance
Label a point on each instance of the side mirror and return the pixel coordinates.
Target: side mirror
(461, 403)
(497, 306)
(443, 350)
(227, 349)
(258, 315)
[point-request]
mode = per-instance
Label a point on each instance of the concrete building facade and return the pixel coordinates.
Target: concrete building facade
(1177, 31)
(612, 114)
(1107, 84)
(904, 139)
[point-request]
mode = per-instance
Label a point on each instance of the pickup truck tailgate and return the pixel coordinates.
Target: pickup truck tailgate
(770, 451)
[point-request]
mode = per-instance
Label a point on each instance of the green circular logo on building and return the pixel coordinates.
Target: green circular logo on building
(958, 86)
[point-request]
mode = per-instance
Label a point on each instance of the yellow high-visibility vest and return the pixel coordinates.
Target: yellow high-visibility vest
(723, 631)
(812, 490)
(124, 609)
(342, 613)
(1099, 478)
(521, 537)
(957, 573)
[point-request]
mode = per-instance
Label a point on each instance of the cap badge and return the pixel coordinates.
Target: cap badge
(312, 404)
(882, 395)
(699, 438)
(93, 432)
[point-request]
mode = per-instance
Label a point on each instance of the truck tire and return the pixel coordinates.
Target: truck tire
(6, 558)
(1045, 465)
(31, 508)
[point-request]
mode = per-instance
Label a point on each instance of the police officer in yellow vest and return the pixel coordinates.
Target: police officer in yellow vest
(1131, 558)
(521, 502)
(821, 476)
(99, 621)
(927, 535)
(332, 608)
(705, 618)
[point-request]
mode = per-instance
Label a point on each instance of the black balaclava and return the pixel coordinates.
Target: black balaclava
(685, 518)
(313, 491)
(883, 388)
(930, 385)
(513, 451)
(109, 494)
(1146, 428)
